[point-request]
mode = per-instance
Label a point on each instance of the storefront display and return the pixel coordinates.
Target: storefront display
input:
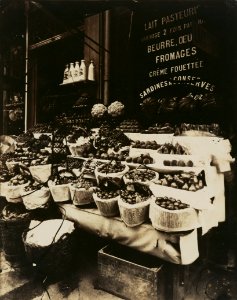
(145, 166)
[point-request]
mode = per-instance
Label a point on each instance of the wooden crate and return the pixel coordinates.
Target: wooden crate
(130, 274)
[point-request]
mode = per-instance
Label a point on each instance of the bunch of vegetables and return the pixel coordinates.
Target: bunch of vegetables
(116, 109)
(98, 110)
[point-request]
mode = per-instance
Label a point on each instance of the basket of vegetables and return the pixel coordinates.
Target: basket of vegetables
(35, 195)
(59, 185)
(172, 215)
(81, 191)
(14, 186)
(134, 204)
(112, 171)
(106, 201)
(141, 174)
(116, 109)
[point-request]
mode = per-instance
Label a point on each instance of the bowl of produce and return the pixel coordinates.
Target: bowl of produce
(134, 204)
(35, 195)
(81, 191)
(187, 181)
(172, 215)
(40, 168)
(59, 186)
(142, 175)
(111, 171)
(106, 201)
(14, 186)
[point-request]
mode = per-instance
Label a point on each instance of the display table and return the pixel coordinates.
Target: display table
(178, 248)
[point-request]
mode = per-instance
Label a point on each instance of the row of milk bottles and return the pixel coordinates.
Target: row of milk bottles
(78, 72)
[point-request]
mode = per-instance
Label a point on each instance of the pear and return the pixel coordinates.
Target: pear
(185, 186)
(200, 184)
(164, 181)
(173, 185)
(192, 188)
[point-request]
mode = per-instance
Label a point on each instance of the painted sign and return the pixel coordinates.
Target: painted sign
(175, 51)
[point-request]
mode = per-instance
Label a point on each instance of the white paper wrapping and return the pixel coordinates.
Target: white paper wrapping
(43, 234)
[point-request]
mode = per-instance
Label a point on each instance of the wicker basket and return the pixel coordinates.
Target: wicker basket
(35, 199)
(81, 196)
(117, 178)
(107, 207)
(60, 193)
(134, 214)
(173, 220)
(13, 192)
(55, 260)
(11, 234)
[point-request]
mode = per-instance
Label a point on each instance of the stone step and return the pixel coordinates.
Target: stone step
(14, 284)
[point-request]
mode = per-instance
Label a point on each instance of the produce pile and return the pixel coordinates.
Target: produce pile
(165, 128)
(131, 125)
(185, 180)
(106, 194)
(169, 148)
(120, 167)
(116, 109)
(145, 145)
(98, 110)
(142, 175)
(62, 177)
(111, 167)
(29, 157)
(135, 193)
(83, 183)
(144, 159)
(170, 203)
(33, 186)
(18, 179)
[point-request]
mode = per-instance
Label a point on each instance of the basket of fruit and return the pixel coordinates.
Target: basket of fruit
(14, 186)
(171, 215)
(193, 188)
(112, 171)
(106, 201)
(35, 195)
(134, 204)
(81, 191)
(59, 185)
(143, 158)
(83, 147)
(141, 174)
(40, 169)
(88, 168)
(188, 181)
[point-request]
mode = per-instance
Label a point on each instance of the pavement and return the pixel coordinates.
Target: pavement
(19, 280)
